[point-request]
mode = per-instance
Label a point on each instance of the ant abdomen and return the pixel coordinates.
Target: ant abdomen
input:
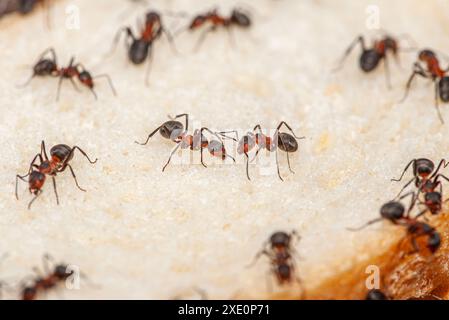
(443, 87)
(369, 60)
(216, 148)
(172, 130)
(44, 68)
(287, 142)
(240, 19)
(138, 52)
(392, 211)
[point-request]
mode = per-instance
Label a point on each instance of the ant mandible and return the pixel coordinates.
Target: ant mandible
(423, 173)
(43, 283)
(237, 18)
(61, 155)
(49, 67)
(371, 57)
(434, 73)
(176, 132)
(140, 47)
(279, 250)
(281, 140)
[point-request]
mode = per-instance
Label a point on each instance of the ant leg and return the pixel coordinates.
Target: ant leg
(109, 81)
(437, 97)
(55, 189)
(82, 152)
(150, 62)
(247, 166)
(387, 72)
(405, 170)
(74, 177)
(17, 182)
(170, 41)
(420, 214)
(43, 150)
(171, 155)
(201, 148)
(288, 158)
(417, 71)
(289, 128)
(35, 197)
(149, 136)
(223, 134)
(129, 34)
(202, 38)
(442, 163)
(357, 40)
(58, 92)
(277, 164)
(365, 225)
(404, 187)
(257, 256)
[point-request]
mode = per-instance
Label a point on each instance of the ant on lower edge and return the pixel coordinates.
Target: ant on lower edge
(48, 66)
(175, 131)
(61, 155)
(279, 250)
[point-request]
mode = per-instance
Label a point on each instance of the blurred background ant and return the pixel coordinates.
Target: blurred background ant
(61, 155)
(379, 51)
(434, 72)
(280, 250)
(25, 7)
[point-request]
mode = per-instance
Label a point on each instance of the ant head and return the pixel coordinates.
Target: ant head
(280, 239)
(425, 55)
(86, 79)
(60, 153)
(138, 51)
(424, 167)
(376, 294)
(287, 142)
(45, 67)
(172, 130)
(284, 272)
(152, 17)
(241, 19)
(392, 211)
(197, 22)
(434, 241)
(433, 198)
(369, 60)
(61, 271)
(443, 86)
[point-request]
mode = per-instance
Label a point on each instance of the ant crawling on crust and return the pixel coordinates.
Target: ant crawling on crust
(48, 66)
(280, 251)
(433, 72)
(237, 18)
(372, 56)
(376, 294)
(61, 155)
(425, 176)
(281, 140)
(176, 132)
(140, 48)
(43, 283)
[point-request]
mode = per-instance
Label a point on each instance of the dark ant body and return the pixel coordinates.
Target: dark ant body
(376, 294)
(281, 140)
(433, 72)
(176, 132)
(140, 47)
(280, 251)
(425, 176)
(22, 6)
(49, 67)
(61, 155)
(417, 229)
(371, 57)
(45, 283)
(237, 18)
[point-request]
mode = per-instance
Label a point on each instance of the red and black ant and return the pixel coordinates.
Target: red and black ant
(434, 72)
(372, 56)
(61, 155)
(279, 250)
(175, 131)
(425, 176)
(237, 18)
(140, 47)
(44, 283)
(281, 140)
(49, 67)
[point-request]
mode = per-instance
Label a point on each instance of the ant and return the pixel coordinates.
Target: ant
(43, 283)
(423, 173)
(417, 229)
(237, 18)
(281, 140)
(61, 155)
(140, 47)
(48, 66)
(175, 131)
(372, 56)
(434, 73)
(279, 250)
(376, 294)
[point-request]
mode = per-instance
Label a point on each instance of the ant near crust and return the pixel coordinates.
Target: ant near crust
(435, 73)
(140, 47)
(176, 132)
(47, 66)
(61, 155)
(371, 57)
